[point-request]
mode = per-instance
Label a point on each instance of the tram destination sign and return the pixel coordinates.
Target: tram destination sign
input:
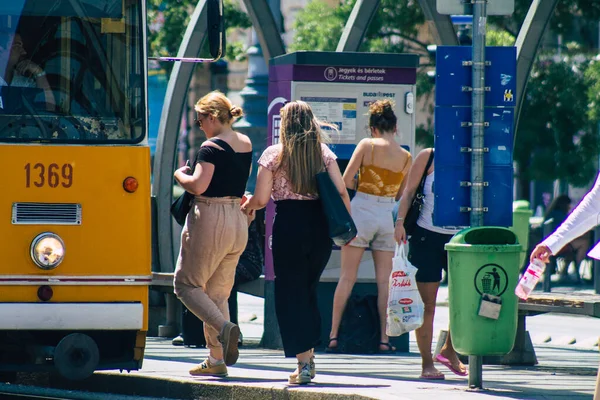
(461, 7)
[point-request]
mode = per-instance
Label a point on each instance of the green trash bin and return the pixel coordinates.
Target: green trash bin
(483, 263)
(521, 214)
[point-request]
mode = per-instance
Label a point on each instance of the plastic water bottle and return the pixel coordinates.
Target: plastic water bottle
(530, 278)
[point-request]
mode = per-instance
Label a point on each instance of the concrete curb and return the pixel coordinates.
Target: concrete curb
(173, 388)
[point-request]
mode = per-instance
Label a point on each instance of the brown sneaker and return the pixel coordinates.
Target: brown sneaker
(229, 340)
(206, 368)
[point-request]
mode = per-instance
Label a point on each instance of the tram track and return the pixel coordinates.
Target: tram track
(15, 396)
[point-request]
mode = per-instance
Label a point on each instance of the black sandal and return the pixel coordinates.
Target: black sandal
(330, 349)
(390, 349)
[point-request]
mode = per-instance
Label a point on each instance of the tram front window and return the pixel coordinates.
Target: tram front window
(72, 71)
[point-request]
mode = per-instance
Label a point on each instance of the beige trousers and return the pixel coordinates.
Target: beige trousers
(213, 238)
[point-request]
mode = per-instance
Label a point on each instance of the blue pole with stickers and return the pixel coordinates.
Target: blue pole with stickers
(475, 87)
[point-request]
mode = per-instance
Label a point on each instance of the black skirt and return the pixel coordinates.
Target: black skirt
(301, 250)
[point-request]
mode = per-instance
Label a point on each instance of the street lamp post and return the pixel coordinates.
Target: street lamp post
(254, 95)
(477, 143)
(254, 124)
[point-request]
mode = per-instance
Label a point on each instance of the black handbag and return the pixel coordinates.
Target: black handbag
(181, 207)
(410, 221)
(341, 226)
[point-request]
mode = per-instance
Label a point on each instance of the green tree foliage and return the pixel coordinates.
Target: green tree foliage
(394, 27)
(574, 18)
(592, 75)
(175, 15)
(558, 135)
(318, 25)
(499, 38)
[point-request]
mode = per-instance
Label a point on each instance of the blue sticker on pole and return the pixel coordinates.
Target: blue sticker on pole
(454, 76)
(453, 136)
(452, 193)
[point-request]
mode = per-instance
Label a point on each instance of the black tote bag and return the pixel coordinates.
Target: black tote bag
(412, 215)
(341, 226)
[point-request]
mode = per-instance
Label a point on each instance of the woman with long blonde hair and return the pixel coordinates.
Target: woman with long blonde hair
(301, 245)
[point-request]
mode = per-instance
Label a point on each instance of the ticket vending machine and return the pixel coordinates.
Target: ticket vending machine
(339, 87)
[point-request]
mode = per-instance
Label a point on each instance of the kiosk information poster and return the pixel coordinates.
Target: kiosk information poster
(339, 87)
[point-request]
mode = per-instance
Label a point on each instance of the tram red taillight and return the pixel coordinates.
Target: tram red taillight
(130, 184)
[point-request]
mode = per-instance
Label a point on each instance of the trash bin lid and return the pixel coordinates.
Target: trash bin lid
(521, 205)
(483, 239)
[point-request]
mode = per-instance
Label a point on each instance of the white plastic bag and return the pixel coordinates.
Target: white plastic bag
(405, 307)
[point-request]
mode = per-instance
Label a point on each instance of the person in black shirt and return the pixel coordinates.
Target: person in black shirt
(216, 231)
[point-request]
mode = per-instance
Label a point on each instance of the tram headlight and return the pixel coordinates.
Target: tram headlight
(47, 250)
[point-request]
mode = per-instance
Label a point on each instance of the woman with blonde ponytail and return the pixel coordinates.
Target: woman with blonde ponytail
(301, 245)
(215, 231)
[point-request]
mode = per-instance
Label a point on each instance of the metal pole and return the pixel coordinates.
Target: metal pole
(478, 96)
(477, 145)
(475, 372)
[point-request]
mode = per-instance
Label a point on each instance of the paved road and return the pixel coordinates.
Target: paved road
(22, 392)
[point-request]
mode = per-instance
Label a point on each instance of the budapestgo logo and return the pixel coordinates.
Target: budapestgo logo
(331, 74)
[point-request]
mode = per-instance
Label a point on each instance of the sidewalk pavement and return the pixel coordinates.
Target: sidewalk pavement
(562, 373)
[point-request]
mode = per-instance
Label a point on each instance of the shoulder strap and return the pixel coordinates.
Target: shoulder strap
(422, 183)
(223, 144)
(372, 152)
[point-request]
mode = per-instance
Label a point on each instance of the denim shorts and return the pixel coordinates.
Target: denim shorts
(426, 252)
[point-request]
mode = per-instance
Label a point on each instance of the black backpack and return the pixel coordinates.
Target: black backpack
(359, 330)
(192, 329)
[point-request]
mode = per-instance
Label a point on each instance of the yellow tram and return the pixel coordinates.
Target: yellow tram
(75, 231)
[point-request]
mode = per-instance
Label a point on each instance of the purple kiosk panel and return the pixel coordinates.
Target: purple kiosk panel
(339, 87)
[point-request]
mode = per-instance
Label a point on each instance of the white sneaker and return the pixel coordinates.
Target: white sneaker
(303, 375)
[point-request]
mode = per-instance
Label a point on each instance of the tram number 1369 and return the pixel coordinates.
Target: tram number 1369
(53, 175)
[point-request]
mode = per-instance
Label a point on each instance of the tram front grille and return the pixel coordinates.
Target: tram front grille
(46, 214)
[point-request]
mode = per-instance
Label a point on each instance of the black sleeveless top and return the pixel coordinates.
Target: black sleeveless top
(231, 169)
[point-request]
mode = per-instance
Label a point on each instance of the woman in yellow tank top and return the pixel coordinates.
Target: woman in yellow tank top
(381, 165)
